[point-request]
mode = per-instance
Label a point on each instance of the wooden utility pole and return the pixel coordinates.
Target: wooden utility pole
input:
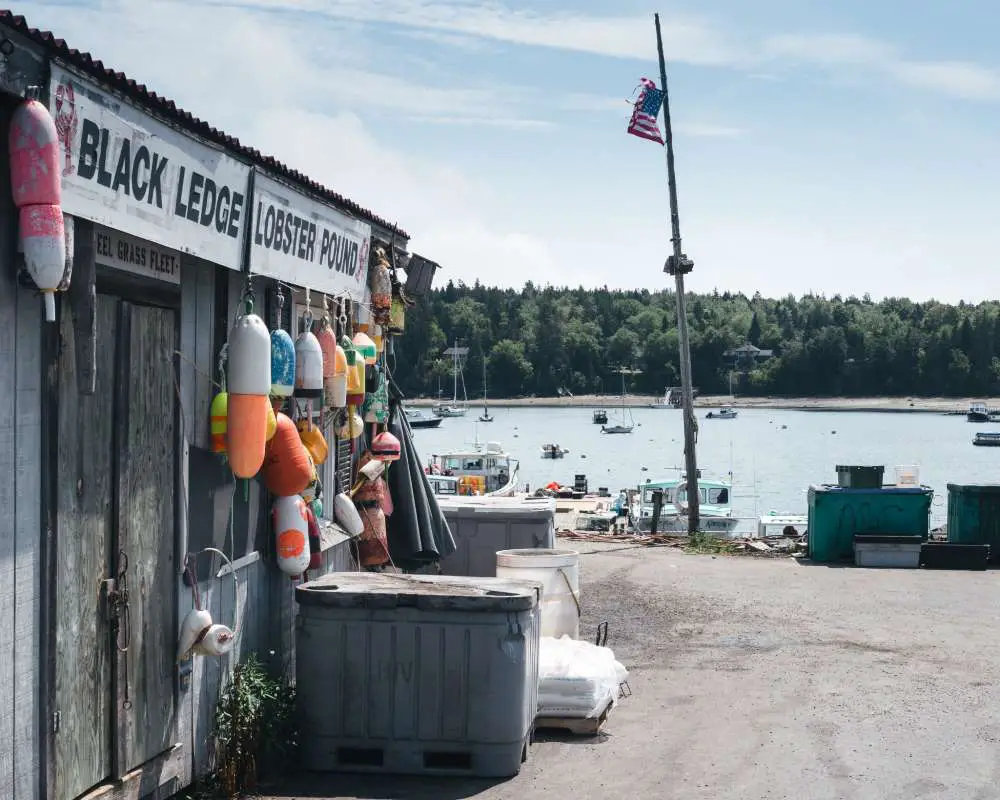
(678, 265)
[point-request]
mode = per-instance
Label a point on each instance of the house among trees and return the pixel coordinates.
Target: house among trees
(745, 357)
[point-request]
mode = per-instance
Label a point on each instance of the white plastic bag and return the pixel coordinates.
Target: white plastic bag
(576, 679)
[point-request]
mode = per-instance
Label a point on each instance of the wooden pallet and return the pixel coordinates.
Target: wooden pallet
(578, 726)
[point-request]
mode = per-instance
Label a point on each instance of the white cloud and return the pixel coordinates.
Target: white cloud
(688, 38)
(956, 78)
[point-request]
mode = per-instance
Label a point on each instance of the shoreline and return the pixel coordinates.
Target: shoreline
(897, 405)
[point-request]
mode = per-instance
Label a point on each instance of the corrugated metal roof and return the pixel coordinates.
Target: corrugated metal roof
(86, 63)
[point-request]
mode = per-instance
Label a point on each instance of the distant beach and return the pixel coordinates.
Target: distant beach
(939, 405)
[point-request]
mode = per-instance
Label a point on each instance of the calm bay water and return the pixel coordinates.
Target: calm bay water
(772, 466)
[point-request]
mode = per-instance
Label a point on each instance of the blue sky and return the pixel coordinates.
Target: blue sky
(844, 147)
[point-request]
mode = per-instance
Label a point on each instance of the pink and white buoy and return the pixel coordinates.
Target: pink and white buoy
(33, 146)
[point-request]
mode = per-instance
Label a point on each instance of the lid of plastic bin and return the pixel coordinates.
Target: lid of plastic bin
(375, 590)
(501, 506)
(975, 488)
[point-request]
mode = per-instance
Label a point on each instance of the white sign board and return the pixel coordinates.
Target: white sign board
(306, 243)
(125, 170)
(127, 253)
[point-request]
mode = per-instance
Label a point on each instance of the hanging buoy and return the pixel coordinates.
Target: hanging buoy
(218, 416)
(36, 184)
(43, 242)
(346, 514)
(249, 384)
(282, 364)
(194, 626)
(291, 531)
(380, 283)
(336, 386)
(313, 439)
(373, 544)
(33, 147)
(397, 315)
(328, 346)
(288, 467)
(385, 447)
(355, 374)
(308, 366)
(317, 507)
(272, 422)
(366, 347)
(349, 424)
(217, 641)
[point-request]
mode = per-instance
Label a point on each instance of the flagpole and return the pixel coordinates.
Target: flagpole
(677, 265)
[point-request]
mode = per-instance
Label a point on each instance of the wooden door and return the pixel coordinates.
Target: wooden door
(85, 497)
(146, 436)
(115, 582)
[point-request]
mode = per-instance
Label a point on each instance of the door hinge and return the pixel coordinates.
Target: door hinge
(55, 722)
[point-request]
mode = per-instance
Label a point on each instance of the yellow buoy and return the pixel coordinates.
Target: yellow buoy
(219, 414)
(272, 423)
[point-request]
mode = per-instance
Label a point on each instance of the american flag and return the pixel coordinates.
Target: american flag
(647, 109)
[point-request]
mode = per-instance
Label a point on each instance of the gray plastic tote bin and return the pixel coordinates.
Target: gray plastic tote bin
(415, 674)
(483, 526)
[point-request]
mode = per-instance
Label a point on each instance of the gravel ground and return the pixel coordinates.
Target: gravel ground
(767, 678)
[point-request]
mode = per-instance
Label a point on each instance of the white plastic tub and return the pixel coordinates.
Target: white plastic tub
(899, 552)
(559, 573)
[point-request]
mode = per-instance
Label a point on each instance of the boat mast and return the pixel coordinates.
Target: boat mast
(677, 265)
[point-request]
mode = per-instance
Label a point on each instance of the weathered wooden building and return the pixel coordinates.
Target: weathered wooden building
(106, 475)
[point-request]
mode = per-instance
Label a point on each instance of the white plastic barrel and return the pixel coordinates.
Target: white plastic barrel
(559, 573)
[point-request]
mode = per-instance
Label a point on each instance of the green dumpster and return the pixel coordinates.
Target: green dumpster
(974, 515)
(836, 514)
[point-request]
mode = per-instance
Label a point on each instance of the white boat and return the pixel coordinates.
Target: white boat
(455, 408)
(553, 451)
(492, 470)
(663, 402)
(722, 413)
(781, 525)
(715, 507)
(418, 419)
(627, 423)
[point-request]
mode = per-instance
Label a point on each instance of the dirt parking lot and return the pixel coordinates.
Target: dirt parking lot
(767, 678)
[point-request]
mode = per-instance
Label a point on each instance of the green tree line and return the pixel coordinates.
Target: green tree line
(542, 341)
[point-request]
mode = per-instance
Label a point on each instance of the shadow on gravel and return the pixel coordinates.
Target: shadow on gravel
(645, 624)
(379, 787)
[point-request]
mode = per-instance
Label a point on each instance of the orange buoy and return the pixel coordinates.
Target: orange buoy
(249, 383)
(288, 469)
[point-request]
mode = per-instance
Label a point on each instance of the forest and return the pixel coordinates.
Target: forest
(546, 341)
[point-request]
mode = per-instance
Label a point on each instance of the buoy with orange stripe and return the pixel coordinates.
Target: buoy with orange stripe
(249, 384)
(291, 534)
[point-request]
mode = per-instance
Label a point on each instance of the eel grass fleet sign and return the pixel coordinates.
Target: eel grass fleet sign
(126, 170)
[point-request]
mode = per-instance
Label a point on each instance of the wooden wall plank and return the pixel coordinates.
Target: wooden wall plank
(85, 521)
(8, 493)
(147, 534)
(202, 276)
(27, 564)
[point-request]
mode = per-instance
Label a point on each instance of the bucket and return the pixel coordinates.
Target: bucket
(559, 573)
